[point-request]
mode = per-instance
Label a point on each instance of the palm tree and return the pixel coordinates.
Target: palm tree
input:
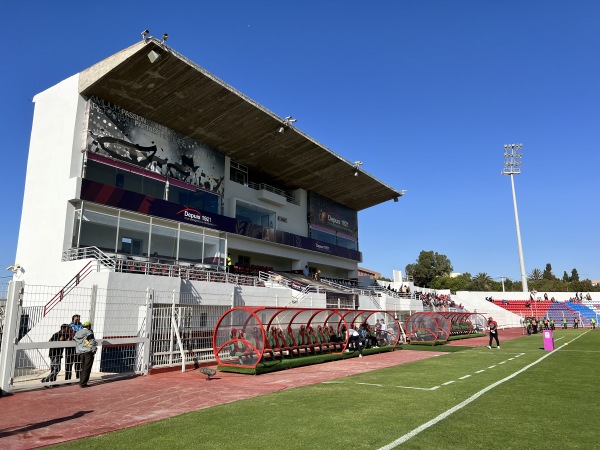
(482, 282)
(536, 274)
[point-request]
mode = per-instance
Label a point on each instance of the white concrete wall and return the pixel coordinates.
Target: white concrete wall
(51, 181)
(295, 214)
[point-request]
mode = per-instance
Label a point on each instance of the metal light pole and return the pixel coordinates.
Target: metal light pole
(512, 166)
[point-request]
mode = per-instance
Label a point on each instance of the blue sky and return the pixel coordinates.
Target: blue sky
(425, 93)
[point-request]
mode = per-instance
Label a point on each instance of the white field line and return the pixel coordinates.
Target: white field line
(471, 399)
(419, 388)
(479, 371)
(447, 383)
(371, 384)
(465, 377)
(491, 367)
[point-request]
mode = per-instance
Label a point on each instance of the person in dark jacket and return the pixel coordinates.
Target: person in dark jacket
(493, 329)
(85, 346)
(56, 354)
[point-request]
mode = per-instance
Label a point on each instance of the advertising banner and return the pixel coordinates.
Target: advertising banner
(328, 214)
(132, 201)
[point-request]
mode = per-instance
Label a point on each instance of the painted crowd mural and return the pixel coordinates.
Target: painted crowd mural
(122, 135)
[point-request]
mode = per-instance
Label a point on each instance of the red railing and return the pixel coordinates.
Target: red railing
(87, 269)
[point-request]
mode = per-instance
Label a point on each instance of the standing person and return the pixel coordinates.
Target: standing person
(493, 327)
(564, 323)
(575, 323)
(71, 357)
(229, 263)
(305, 271)
(593, 322)
(56, 354)
(85, 346)
(383, 330)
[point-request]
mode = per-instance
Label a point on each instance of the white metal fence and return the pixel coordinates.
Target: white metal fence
(33, 342)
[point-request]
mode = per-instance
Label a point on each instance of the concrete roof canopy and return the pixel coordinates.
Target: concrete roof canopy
(182, 96)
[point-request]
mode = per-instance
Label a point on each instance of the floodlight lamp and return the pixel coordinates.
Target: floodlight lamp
(395, 199)
(402, 192)
(281, 130)
(164, 38)
(289, 120)
(153, 56)
(145, 33)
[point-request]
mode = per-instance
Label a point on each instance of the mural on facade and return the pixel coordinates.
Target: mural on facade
(117, 133)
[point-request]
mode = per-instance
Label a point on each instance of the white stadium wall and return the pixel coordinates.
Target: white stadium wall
(53, 166)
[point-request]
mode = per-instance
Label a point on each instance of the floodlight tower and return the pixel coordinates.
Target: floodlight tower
(512, 166)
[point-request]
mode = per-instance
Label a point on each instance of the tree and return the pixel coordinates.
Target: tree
(429, 265)
(548, 275)
(536, 274)
(459, 283)
(566, 278)
(574, 275)
(482, 282)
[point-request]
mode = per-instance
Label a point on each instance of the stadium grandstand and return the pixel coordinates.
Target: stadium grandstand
(151, 182)
(157, 197)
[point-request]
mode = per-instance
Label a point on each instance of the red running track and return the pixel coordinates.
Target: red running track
(50, 416)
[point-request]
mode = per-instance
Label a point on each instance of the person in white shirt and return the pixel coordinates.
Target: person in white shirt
(354, 340)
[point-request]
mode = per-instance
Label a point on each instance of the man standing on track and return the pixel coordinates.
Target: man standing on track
(86, 349)
(493, 328)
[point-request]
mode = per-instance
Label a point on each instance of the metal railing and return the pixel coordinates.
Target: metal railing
(74, 282)
(274, 190)
(147, 266)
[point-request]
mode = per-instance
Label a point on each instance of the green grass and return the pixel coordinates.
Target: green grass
(551, 404)
(276, 364)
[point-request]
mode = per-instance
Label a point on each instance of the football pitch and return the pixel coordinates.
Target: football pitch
(519, 396)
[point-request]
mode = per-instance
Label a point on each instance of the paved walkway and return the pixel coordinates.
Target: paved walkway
(48, 416)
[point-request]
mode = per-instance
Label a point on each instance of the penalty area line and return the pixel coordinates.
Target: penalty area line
(466, 402)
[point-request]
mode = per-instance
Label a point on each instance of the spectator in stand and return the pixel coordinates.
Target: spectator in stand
(545, 296)
(493, 329)
(305, 271)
